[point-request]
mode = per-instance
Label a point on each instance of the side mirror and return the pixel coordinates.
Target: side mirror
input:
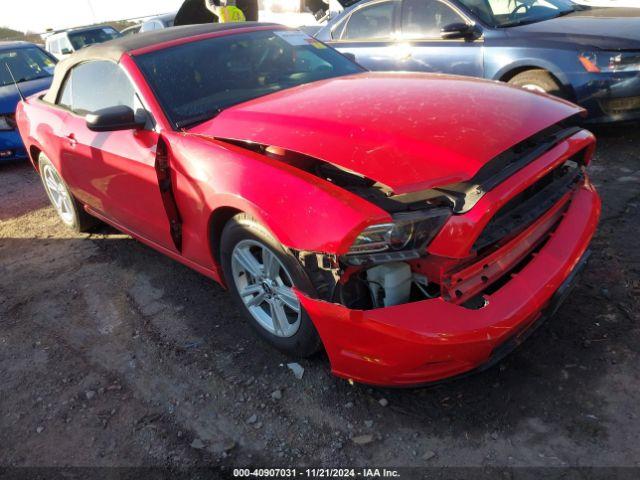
(113, 119)
(350, 56)
(458, 30)
(66, 51)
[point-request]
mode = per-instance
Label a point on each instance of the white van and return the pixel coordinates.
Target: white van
(63, 44)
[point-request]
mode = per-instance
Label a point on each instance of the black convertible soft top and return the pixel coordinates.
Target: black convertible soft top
(113, 50)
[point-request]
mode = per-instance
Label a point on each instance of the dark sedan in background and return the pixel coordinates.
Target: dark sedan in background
(590, 56)
(32, 69)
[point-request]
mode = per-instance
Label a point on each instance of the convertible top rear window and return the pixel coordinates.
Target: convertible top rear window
(84, 38)
(195, 81)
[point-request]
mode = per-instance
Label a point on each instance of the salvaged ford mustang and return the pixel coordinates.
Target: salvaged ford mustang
(416, 226)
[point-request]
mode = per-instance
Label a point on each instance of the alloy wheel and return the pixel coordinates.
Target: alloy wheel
(58, 194)
(534, 88)
(265, 287)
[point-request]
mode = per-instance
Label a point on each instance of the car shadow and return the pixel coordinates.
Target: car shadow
(22, 191)
(629, 131)
(556, 370)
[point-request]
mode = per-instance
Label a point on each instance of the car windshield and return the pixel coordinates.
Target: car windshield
(197, 80)
(510, 13)
(26, 64)
(89, 37)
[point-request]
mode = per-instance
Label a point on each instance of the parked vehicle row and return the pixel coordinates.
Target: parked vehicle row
(33, 70)
(415, 226)
(590, 56)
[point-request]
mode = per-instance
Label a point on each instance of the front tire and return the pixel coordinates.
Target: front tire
(538, 80)
(66, 206)
(261, 275)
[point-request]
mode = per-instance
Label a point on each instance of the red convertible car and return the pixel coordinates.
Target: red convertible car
(417, 227)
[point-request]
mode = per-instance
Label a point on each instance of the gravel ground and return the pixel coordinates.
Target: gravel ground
(112, 354)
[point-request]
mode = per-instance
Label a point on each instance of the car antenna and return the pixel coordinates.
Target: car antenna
(14, 81)
(147, 113)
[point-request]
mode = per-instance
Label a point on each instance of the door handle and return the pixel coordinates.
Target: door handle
(71, 138)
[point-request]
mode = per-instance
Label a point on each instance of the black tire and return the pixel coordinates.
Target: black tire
(538, 79)
(76, 219)
(306, 341)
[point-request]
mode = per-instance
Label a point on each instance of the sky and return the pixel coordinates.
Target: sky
(39, 15)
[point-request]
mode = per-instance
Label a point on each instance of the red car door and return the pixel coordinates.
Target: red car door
(112, 172)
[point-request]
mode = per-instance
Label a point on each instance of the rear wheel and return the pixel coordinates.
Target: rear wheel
(66, 206)
(538, 81)
(261, 276)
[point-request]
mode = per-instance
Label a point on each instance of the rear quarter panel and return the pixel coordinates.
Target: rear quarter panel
(40, 127)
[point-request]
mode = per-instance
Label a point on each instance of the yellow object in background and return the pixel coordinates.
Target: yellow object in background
(231, 13)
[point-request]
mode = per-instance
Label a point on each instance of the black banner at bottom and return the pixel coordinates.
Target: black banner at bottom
(284, 473)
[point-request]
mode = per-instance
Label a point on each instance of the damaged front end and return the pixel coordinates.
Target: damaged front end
(437, 281)
(438, 244)
(440, 291)
(431, 243)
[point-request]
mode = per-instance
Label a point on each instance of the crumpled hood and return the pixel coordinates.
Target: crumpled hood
(603, 28)
(408, 131)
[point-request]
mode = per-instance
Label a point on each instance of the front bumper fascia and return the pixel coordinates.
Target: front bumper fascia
(11, 146)
(600, 92)
(431, 340)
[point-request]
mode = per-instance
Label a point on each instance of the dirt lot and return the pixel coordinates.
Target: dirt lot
(111, 354)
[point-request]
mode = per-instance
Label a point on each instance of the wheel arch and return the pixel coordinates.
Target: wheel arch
(217, 221)
(221, 215)
(34, 155)
(507, 72)
(35, 149)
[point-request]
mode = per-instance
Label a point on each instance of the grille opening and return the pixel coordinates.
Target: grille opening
(496, 286)
(528, 206)
(618, 106)
(480, 300)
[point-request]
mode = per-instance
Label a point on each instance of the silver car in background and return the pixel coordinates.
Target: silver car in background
(158, 23)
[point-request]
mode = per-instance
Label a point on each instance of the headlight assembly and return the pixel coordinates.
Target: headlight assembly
(405, 237)
(7, 123)
(607, 62)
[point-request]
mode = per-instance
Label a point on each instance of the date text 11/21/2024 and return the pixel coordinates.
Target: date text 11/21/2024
(315, 473)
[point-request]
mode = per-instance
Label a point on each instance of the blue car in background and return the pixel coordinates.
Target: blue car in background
(590, 56)
(32, 69)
